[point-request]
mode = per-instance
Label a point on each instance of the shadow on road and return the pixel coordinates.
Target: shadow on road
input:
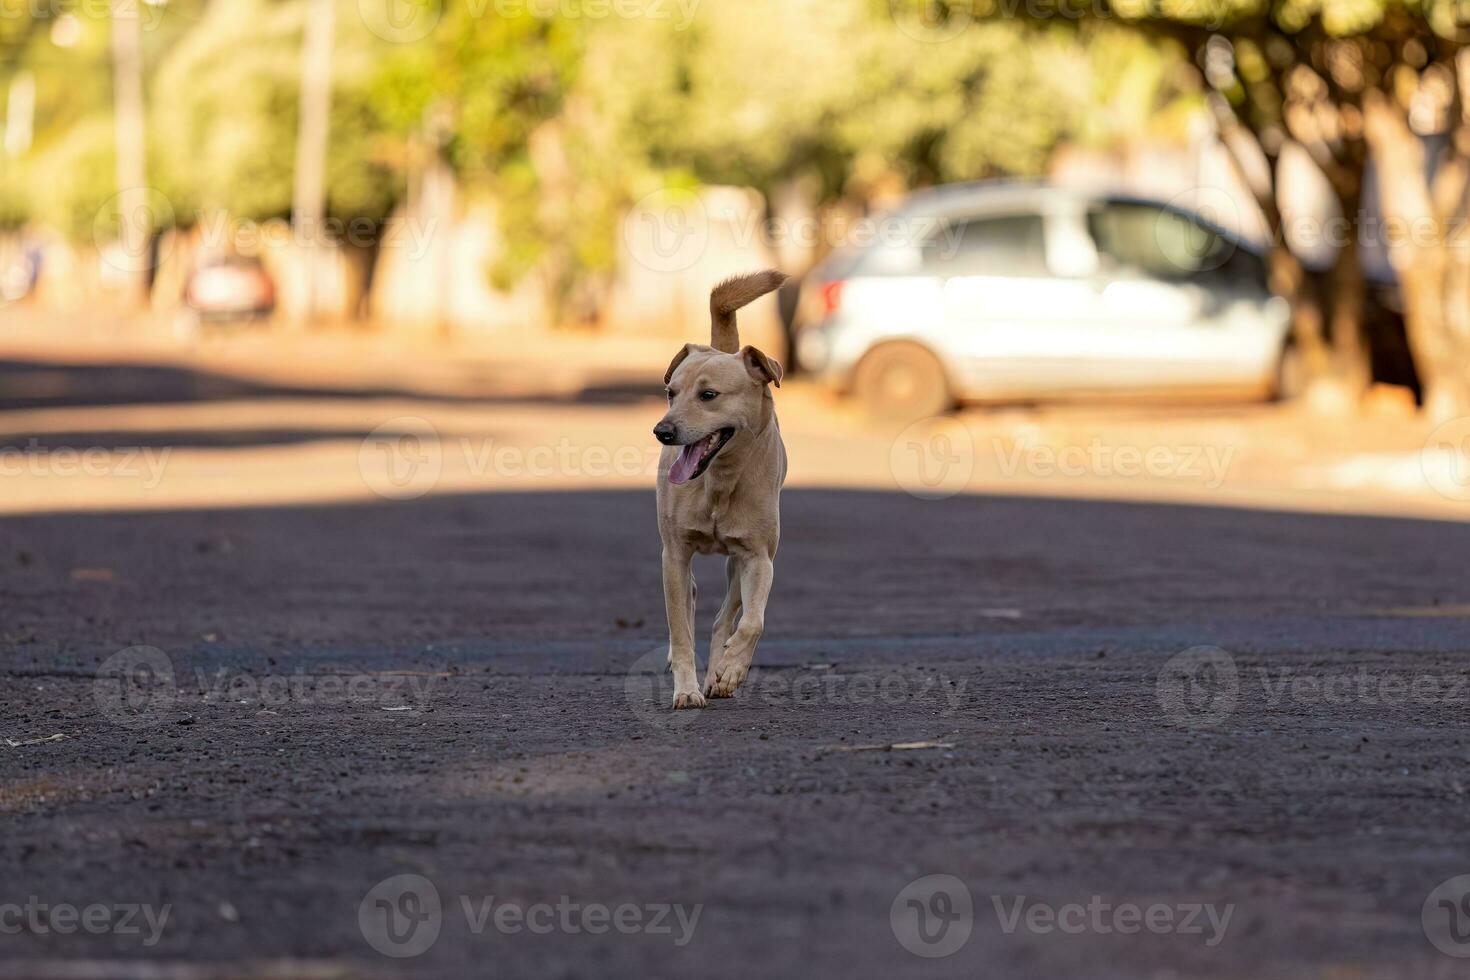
(49, 384)
(531, 568)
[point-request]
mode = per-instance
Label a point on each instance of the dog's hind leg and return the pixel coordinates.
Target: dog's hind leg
(756, 573)
(679, 605)
(724, 624)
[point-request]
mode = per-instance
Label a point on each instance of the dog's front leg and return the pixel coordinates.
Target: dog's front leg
(678, 603)
(756, 573)
(724, 624)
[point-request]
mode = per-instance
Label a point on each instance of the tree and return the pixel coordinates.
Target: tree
(1350, 80)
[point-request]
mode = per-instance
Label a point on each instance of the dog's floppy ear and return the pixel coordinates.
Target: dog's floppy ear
(764, 369)
(678, 359)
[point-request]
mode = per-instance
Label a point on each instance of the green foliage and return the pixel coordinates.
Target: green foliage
(224, 116)
(565, 121)
(73, 179)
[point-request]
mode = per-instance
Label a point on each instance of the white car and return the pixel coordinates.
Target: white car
(1003, 292)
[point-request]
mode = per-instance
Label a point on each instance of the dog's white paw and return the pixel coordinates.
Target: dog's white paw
(725, 680)
(688, 699)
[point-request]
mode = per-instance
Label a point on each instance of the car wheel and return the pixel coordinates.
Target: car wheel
(902, 382)
(1291, 374)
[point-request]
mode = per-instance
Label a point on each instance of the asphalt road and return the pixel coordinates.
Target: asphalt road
(1141, 740)
(986, 736)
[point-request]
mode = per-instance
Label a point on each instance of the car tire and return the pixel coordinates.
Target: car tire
(902, 382)
(1291, 374)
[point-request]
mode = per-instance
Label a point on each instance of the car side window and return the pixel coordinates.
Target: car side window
(1142, 239)
(1010, 245)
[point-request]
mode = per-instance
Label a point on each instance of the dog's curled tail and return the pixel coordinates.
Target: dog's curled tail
(728, 297)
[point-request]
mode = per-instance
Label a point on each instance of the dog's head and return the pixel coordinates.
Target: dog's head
(712, 397)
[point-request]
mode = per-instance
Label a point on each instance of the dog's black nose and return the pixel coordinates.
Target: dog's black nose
(665, 432)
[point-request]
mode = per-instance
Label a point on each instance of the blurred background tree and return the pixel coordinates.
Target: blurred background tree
(565, 121)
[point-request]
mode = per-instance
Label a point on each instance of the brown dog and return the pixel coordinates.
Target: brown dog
(719, 490)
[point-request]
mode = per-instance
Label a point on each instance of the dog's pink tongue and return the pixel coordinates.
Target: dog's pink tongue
(687, 461)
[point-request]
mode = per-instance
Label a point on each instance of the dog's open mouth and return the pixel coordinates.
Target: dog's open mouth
(695, 458)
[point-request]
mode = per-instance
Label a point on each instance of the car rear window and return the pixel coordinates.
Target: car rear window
(1009, 245)
(1158, 242)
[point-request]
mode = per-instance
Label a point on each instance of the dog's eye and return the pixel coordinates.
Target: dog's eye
(670, 393)
(708, 396)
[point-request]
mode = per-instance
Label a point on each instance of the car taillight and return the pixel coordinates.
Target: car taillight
(832, 297)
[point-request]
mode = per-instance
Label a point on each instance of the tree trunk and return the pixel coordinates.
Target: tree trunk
(132, 173)
(1420, 257)
(1286, 276)
(1345, 291)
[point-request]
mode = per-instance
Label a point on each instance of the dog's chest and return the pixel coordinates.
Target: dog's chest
(715, 528)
